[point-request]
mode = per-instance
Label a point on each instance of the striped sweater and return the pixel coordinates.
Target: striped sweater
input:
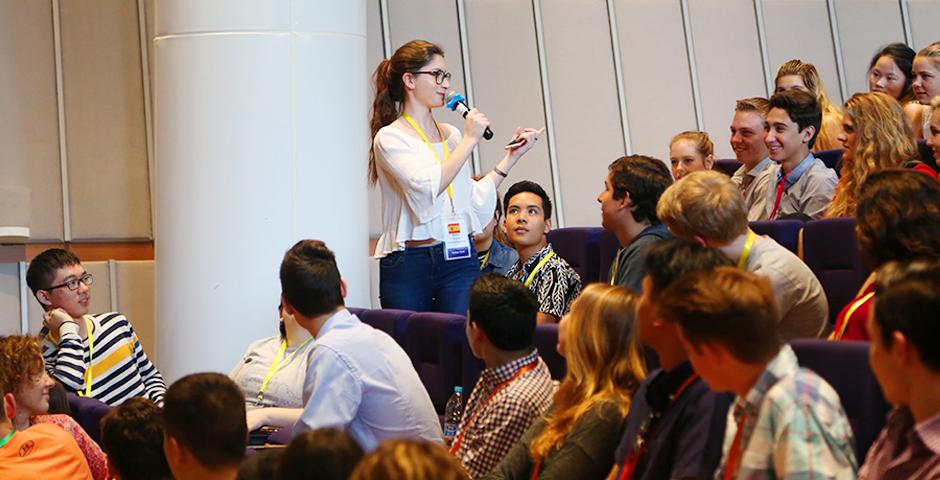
(120, 368)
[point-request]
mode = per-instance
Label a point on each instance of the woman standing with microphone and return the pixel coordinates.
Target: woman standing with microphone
(430, 203)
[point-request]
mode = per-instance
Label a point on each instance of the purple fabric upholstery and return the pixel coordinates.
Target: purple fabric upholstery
(470, 369)
(785, 232)
(831, 252)
(727, 166)
(607, 247)
(546, 340)
(391, 321)
(356, 311)
(926, 154)
(832, 158)
(435, 343)
(88, 412)
(844, 365)
(578, 246)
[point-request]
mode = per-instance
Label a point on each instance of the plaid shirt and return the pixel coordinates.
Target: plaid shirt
(499, 423)
(904, 449)
(556, 285)
(794, 427)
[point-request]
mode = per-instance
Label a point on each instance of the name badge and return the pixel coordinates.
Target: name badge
(456, 238)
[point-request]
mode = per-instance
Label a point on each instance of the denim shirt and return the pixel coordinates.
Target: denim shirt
(501, 257)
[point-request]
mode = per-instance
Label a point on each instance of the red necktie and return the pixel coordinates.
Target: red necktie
(783, 182)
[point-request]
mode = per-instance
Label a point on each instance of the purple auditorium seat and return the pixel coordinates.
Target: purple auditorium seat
(391, 321)
(88, 412)
(546, 340)
(607, 247)
(831, 252)
(578, 246)
(470, 369)
(844, 365)
(785, 232)
(926, 154)
(435, 344)
(832, 158)
(356, 311)
(727, 166)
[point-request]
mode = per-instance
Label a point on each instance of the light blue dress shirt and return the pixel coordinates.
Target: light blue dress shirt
(359, 379)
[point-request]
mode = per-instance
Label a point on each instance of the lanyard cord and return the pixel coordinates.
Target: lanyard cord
(848, 315)
(528, 280)
(5, 440)
(277, 363)
(450, 188)
(89, 375)
(486, 258)
(746, 252)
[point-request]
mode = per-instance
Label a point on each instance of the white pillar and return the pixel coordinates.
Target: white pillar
(261, 140)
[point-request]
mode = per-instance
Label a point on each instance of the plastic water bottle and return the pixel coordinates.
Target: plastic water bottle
(452, 414)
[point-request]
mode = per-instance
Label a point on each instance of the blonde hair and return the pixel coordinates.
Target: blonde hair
(705, 204)
(703, 144)
(603, 360)
(931, 52)
(409, 460)
(884, 140)
(935, 102)
(759, 105)
(807, 72)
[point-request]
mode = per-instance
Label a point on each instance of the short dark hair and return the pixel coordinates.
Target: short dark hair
(728, 306)
(43, 267)
(310, 280)
(205, 412)
(645, 178)
(132, 436)
(907, 299)
(530, 187)
(669, 259)
(505, 309)
(803, 109)
(326, 453)
(262, 465)
(898, 216)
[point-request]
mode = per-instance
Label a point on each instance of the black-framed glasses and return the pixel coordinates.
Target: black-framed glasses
(86, 278)
(439, 75)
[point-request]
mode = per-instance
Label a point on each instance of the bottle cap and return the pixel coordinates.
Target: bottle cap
(458, 389)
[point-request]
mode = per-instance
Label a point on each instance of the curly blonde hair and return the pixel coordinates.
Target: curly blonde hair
(20, 359)
(409, 460)
(826, 139)
(603, 360)
(884, 140)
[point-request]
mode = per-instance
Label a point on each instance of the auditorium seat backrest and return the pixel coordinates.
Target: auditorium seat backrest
(546, 340)
(831, 252)
(391, 321)
(844, 365)
(727, 166)
(784, 232)
(88, 413)
(926, 154)
(435, 343)
(578, 246)
(832, 158)
(607, 247)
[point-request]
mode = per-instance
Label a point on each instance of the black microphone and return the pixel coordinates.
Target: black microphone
(457, 103)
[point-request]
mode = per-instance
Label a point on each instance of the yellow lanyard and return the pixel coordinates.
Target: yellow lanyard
(848, 315)
(486, 258)
(277, 363)
(528, 281)
(747, 249)
(615, 267)
(91, 360)
(450, 188)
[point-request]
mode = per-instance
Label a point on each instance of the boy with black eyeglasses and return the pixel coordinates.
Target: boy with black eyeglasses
(97, 356)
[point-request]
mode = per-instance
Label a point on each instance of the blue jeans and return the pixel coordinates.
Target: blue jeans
(420, 279)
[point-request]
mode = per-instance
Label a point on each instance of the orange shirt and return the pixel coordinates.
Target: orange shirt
(43, 452)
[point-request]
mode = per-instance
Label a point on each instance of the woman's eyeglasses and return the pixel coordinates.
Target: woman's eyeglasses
(439, 75)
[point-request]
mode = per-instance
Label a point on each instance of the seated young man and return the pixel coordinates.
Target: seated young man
(906, 362)
(676, 423)
(705, 207)
(358, 378)
(551, 279)
(205, 430)
(628, 209)
(117, 368)
(516, 386)
(41, 452)
(786, 421)
(804, 186)
(132, 436)
(757, 172)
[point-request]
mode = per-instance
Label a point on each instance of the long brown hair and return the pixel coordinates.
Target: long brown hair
(603, 360)
(807, 72)
(389, 89)
(884, 140)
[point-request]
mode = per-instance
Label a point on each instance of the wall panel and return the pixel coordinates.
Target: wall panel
(809, 39)
(436, 22)
(9, 299)
(374, 54)
(725, 36)
(655, 74)
(864, 27)
(507, 83)
(108, 174)
(29, 112)
(135, 300)
(925, 18)
(100, 295)
(586, 111)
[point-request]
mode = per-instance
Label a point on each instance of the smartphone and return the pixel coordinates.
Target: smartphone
(515, 143)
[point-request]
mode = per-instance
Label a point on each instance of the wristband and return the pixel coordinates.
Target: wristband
(500, 172)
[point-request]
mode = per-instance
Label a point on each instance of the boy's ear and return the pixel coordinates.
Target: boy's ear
(43, 297)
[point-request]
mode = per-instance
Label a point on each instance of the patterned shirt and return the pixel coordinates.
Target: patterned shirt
(495, 425)
(555, 285)
(904, 450)
(97, 460)
(793, 426)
